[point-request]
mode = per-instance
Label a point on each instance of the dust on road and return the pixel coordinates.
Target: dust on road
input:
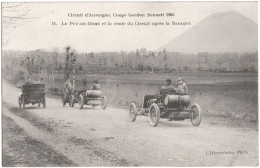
(95, 137)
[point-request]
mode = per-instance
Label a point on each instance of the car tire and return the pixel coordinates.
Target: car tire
(44, 102)
(23, 102)
(63, 100)
(195, 116)
(104, 103)
(81, 101)
(72, 100)
(154, 115)
(19, 102)
(132, 112)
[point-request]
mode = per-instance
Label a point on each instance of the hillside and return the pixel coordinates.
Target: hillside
(220, 32)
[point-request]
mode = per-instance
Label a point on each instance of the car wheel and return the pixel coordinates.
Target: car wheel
(132, 112)
(195, 116)
(19, 102)
(23, 102)
(81, 101)
(104, 103)
(154, 115)
(63, 100)
(72, 101)
(44, 102)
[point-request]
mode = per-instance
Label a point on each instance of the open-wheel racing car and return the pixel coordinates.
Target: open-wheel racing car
(32, 93)
(88, 97)
(172, 107)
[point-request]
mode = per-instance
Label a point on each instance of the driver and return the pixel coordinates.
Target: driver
(168, 88)
(96, 85)
(29, 80)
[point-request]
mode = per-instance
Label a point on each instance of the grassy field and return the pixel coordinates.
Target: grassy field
(219, 94)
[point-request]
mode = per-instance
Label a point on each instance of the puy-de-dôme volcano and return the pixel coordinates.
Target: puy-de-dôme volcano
(221, 32)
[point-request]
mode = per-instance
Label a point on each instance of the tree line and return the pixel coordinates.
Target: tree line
(140, 60)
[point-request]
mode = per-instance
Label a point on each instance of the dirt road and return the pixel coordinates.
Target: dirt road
(96, 137)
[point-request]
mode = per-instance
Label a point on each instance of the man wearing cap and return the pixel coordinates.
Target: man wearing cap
(182, 88)
(168, 88)
(29, 80)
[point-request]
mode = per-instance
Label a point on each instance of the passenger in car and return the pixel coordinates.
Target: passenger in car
(182, 88)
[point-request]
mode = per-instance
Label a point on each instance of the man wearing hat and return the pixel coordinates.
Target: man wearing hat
(168, 88)
(182, 88)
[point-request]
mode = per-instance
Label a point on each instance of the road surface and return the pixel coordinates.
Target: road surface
(96, 137)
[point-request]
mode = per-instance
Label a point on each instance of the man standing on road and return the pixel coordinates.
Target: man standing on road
(67, 87)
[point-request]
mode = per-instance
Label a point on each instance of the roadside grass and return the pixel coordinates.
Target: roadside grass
(232, 95)
(44, 125)
(235, 100)
(49, 126)
(19, 149)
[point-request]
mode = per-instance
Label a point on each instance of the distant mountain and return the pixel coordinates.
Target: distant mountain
(220, 32)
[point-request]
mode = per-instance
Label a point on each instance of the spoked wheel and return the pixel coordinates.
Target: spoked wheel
(81, 101)
(72, 101)
(19, 102)
(195, 114)
(44, 102)
(63, 100)
(23, 102)
(132, 112)
(68, 100)
(104, 103)
(154, 115)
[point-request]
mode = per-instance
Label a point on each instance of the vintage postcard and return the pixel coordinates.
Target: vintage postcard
(140, 84)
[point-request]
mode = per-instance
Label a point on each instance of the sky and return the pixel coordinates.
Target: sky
(39, 33)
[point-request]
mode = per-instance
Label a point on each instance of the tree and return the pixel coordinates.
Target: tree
(59, 67)
(143, 51)
(80, 67)
(13, 15)
(165, 55)
(137, 53)
(67, 58)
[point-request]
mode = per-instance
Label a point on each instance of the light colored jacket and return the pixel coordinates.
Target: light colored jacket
(183, 89)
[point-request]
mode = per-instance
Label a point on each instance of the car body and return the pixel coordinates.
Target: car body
(88, 97)
(171, 107)
(32, 94)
